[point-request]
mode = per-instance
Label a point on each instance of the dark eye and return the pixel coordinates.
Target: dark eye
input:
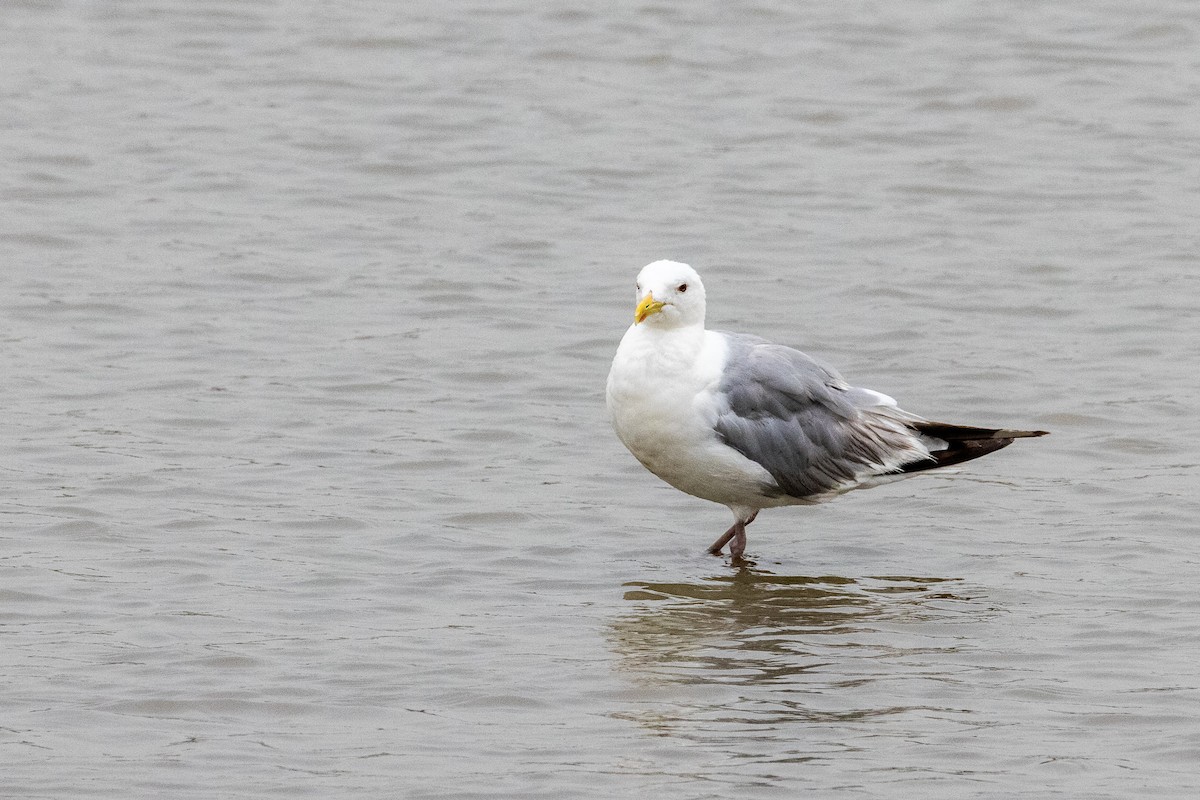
(682, 288)
(637, 286)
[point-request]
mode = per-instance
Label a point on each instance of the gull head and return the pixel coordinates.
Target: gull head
(669, 295)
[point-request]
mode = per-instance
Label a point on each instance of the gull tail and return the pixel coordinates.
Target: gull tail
(954, 444)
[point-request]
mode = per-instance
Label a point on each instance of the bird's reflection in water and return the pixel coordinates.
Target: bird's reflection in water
(753, 647)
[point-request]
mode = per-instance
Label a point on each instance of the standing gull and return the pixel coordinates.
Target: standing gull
(749, 424)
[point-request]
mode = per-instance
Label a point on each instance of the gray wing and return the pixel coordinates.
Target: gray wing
(804, 424)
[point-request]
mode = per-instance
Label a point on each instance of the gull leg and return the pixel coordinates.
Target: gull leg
(715, 547)
(735, 537)
(738, 545)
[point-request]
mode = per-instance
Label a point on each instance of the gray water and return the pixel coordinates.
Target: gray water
(309, 490)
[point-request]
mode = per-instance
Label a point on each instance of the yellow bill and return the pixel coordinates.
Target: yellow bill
(646, 307)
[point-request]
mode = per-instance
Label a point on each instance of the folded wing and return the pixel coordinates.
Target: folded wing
(815, 434)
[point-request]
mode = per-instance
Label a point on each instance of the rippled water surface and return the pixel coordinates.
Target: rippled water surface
(309, 491)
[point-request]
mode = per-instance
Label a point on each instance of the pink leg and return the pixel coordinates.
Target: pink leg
(738, 545)
(715, 547)
(735, 537)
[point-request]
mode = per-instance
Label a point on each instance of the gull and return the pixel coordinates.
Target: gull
(737, 420)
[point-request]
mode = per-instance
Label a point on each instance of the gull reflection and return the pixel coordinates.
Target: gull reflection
(754, 647)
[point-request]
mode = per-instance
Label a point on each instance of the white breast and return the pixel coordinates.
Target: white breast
(662, 395)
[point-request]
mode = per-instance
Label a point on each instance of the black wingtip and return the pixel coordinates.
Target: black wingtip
(955, 433)
(956, 453)
(1006, 434)
(964, 443)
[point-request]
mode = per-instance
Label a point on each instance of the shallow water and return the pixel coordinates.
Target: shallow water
(310, 490)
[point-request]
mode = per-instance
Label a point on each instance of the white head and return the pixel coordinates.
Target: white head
(669, 295)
